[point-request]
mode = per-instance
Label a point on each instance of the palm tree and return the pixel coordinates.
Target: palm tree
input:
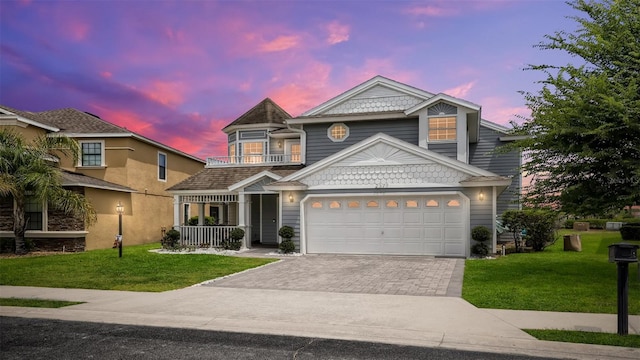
(29, 170)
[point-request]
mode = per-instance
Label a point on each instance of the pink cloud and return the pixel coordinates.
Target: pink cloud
(77, 30)
(337, 33)
(280, 43)
(374, 67)
(126, 119)
(166, 92)
(106, 74)
(460, 91)
(497, 110)
(431, 10)
(310, 87)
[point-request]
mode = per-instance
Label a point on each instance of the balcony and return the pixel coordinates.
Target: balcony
(271, 159)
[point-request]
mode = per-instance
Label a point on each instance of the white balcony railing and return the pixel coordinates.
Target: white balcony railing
(271, 159)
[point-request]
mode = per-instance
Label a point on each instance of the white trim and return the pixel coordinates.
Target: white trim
(9, 118)
(494, 216)
(166, 166)
(494, 126)
(253, 179)
(444, 98)
(349, 118)
(377, 80)
(103, 154)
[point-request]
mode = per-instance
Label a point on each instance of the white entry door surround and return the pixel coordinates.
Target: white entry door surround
(431, 223)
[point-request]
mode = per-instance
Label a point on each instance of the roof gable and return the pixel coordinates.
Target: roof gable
(265, 112)
(378, 94)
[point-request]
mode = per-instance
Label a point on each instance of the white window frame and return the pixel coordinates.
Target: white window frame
(166, 171)
(102, 153)
(251, 158)
(288, 144)
(335, 139)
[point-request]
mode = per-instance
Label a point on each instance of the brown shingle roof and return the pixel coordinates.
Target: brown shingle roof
(29, 115)
(75, 179)
(223, 177)
(74, 121)
(266, 112)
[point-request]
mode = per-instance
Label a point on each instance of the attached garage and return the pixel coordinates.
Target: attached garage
(406, 224)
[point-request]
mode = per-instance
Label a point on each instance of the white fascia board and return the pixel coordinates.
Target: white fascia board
(494, 126)
(349, 118)
(486, 183)
(261, 126)
(16, 120)
(202, 192)
(286, 188)
(446, 98)
(378, 80)
(389, 187)
(418, 151)
(252, 179)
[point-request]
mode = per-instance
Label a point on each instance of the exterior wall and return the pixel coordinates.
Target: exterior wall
(6, 213)
(291, 214)
(481, 210)
(447, 149)
(256, 221)
(502, 164)
(29, 132)
(270, 217)
(319, 146)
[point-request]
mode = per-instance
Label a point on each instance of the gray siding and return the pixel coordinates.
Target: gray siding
(258, 187)
(448, 149)
(291, 215)
(255, 218)
(270, 219)
(319, 146)
(480, 211)
(481, 155)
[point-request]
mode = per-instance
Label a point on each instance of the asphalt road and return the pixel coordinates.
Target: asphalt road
(23, 338)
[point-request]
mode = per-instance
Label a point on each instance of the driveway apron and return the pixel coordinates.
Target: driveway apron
(392, 275)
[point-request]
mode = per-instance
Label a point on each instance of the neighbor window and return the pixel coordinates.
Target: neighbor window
(338, 132)
(232, 153)
(33, 213)
(92, 153)
(442, 128)
(252, 152)
(162, 166)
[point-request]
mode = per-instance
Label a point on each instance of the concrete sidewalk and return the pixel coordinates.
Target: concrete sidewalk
(447, 322)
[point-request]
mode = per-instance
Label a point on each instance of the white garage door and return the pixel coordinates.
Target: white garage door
(398, 225)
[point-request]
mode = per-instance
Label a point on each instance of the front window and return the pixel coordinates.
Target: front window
(162, 166)
(92, 153)
(338, 132)
(252, 152)
(442, 128)
(33, 213)
(295, 153)
(232, 153)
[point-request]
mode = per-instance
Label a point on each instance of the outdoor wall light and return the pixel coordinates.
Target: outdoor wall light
(290, 197)
(481, 196)
(279, 144)
(120, 211)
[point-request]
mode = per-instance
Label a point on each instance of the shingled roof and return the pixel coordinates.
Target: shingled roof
(75, 179)
(78, 122)
(266, 112)
(223, 177)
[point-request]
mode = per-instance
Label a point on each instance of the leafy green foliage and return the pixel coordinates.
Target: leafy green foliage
(584, 337)
(481, 233)
(171, 240)
(138, 269)
(208, 221)
(514, 221)
(287, 246)
(286, 232)
(540, 228)
(480, 249)
(237, 234)
(582, 136)
(630, 232)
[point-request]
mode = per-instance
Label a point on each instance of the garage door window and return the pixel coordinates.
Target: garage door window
(392, 204)
(411, 204)
(316, 205)
(354, 204)
(372, 204)
(453, 203)
(334, 205)
(432, 203)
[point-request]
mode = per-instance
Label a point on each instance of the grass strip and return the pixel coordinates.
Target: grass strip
(585, 337)
(40, 303)
(137, 270)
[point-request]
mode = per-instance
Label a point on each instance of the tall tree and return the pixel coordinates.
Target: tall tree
(582, 142)
(29, 170)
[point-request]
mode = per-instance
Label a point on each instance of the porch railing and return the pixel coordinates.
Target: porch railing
(278, 159)
(204, 236)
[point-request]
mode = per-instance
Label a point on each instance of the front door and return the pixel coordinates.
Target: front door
(264, 219)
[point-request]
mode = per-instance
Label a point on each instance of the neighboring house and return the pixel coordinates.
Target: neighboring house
(384, 168)
(116, 166)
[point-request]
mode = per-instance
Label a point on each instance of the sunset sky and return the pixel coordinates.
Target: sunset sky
(179, 71)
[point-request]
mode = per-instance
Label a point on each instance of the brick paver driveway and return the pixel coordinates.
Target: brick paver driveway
(396, 275)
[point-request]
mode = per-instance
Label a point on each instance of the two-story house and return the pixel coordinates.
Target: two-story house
(383, 168)
(116, 166)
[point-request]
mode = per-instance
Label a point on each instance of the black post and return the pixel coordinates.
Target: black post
(623, 299)
(120, 233)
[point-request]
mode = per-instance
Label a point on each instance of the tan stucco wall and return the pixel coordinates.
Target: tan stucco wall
(29, 133)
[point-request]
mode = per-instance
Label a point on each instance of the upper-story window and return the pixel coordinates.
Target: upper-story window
(295, 153)
(442, 128)
(232, 153)
(162, 166)
(338, 132)
(252, 152)
(92, 153)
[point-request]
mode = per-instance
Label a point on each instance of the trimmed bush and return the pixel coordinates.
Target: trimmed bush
(287, 246)
(208, 221)
(569, 224)
(481, 233)
(630, 232)
(171, 240)
(286, 232)
(235, 241)
(480, 249)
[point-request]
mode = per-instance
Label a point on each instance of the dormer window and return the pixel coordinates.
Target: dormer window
(338, 132)
(442, 128)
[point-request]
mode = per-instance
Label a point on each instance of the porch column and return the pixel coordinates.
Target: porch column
(241, 217)
(176, 211)
(494, 216)
(200, 214)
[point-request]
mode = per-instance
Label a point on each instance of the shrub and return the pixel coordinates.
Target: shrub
(235, 241)
(569, 224)
(540, 228)
(286, 232)
(287, 246)
(480, 249)
(171, 239)
(208, 221)
(630, 232)
(237, 234)
(481, 233)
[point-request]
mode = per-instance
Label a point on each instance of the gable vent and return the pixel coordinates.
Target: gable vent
(442, 109)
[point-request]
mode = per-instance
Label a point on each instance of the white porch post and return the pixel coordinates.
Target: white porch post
(241, 217)
(200, 214)
(176, 211)
(494, 216)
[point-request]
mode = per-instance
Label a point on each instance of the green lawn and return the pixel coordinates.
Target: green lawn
(552, 280)
(37, 303)
(137, 270)
(584, 337)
